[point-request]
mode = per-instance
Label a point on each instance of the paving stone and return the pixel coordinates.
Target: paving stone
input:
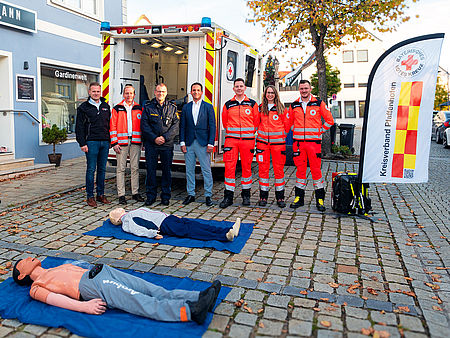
(347, 269)
(392, 330)
(35, 329)
(275, 313)
(4, 331)
(278, 301)
(204, 276)
(270, 328)
(254, 295)
(336, 323)
(307, 303)
(387, 318)
(235, 294)
(219, 323)
(356, 312)
(328, 334)
(299, 327)
(350, 300)
(401, 298)
(227, 280)
(355, 324)
(411, 323)
(246, 318)
(269, 287)
(212, 334)
(322, 295)
(226, 309)
(303, 314)
(379, 305)
(247, 283)
(240, 331)
(11, 323)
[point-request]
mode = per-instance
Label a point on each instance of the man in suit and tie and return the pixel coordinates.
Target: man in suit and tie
(197, 135)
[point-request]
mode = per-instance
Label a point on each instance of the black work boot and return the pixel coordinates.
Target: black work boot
(320, 197)
(245, 197)
(199, 309)
(299, 200)
(227, 199)
(279, 195)
(263, 195)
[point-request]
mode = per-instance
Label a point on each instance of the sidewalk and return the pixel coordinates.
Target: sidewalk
(301, 273)
(37, 187)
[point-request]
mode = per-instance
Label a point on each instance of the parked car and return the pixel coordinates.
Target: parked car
(446, 135)
(438, 125)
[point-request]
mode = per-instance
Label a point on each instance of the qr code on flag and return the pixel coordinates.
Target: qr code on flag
(408, 173)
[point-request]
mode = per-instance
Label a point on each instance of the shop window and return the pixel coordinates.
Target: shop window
(349, 107)
(362, 55)
(362, 105)
(62, 91)
(89, 7)
(347, 56)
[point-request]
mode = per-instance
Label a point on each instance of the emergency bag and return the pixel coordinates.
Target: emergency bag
(349, 197)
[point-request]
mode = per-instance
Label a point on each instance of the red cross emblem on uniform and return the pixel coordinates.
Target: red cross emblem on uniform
(409, 62)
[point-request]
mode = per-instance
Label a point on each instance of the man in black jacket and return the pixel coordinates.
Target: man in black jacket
(92, 131)
(159, 127)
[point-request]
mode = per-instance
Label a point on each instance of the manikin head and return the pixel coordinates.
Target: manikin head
(115, 216)
(22, 270)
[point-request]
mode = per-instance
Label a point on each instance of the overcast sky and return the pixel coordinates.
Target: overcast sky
(232, 15)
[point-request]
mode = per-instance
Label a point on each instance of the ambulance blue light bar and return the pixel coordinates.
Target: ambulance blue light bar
(206, 22)
(105, 26)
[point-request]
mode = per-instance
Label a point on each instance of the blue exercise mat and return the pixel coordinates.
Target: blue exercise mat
(15, 302)
(110, 230)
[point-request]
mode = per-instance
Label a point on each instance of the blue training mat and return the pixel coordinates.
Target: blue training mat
(110, 230)
(15, 302)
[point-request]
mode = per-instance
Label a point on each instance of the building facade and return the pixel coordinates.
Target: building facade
(354, 61)
(50, 50)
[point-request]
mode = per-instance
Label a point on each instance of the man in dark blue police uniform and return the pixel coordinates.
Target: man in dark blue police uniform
(159, 127)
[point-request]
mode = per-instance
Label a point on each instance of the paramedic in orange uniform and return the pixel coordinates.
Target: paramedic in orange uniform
(92, 290)
(305, 115)
(240, 119)
(271, 141)
(125, 133)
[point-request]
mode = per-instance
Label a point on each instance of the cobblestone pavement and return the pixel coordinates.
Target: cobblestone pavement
(301, 273)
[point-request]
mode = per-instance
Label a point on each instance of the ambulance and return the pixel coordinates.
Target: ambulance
(179, 55)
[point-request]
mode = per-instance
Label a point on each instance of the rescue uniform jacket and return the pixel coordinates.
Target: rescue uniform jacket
(240, 120)
(273, 128)
(159, 120)
(118, 130)
(92, 123)
(308, 125)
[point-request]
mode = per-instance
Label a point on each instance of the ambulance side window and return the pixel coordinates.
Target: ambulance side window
(231, 65)
(249, 70)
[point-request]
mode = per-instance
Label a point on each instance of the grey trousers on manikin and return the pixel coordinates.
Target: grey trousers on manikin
(132, 294)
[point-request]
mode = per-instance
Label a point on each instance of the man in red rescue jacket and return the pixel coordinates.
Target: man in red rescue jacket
(306, 114)
(125, 133)
(240, 119)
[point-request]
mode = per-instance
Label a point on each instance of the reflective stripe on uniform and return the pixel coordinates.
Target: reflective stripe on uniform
(241, 129)
(318, 184)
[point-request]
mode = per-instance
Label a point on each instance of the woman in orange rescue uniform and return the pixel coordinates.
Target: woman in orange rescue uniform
(271, 140)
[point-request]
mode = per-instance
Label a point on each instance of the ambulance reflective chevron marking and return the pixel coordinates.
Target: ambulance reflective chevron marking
(105, 73)
(209, 69)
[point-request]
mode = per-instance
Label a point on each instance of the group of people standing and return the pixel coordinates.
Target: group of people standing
(157, 124)
(271, 121)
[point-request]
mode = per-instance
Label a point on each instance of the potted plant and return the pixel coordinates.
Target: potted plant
(54, 135)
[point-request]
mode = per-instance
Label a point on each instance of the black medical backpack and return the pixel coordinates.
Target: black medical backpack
(349, 197)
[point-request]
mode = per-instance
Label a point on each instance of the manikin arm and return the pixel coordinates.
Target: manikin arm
(93, 306)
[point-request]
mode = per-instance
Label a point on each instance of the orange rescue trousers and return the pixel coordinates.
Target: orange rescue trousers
(263, 153)
(231, 151)
(311, 151)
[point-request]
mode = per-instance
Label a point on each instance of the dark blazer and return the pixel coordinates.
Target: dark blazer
(205, 129)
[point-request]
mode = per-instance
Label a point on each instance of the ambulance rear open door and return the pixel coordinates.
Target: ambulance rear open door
(232, 65)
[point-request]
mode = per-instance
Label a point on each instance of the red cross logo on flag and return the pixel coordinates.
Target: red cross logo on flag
(409, 62)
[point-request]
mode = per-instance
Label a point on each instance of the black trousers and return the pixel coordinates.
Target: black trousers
(165, 155)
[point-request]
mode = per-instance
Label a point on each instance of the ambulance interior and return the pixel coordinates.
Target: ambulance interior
(166, 60)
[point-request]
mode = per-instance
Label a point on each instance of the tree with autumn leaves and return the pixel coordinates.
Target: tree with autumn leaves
(324, 23)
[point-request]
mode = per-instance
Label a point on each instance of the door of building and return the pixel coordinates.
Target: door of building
(6, 103)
